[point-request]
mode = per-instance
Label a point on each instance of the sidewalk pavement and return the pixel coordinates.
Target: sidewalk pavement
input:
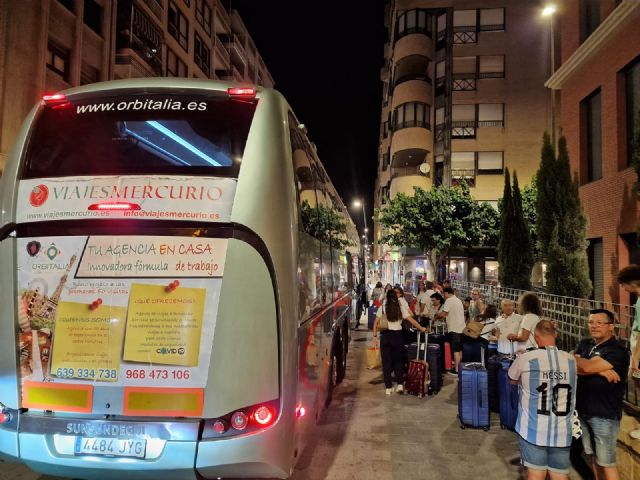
(368, 435)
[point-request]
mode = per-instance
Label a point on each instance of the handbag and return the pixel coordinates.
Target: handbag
(383, 323)
(473, 329)
(374, 359)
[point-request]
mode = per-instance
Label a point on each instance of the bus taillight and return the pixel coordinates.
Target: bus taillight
(54, 99)
(263, 415)
(242, 92)
(220, 426)
(239, 420)
(5, 417)
(117, 206)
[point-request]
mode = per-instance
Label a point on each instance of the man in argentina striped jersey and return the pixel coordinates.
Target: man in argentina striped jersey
(547, 383)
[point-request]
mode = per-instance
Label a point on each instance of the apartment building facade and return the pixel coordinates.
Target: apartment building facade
(51, 45)
(599, 85)
(463, 98)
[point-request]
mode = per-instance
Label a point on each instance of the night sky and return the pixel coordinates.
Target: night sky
(325, 57)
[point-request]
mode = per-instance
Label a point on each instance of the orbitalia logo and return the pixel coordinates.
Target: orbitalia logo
(39, 195)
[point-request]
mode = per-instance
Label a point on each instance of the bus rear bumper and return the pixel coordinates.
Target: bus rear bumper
(9, 445)
(38, 452)
(263, 455)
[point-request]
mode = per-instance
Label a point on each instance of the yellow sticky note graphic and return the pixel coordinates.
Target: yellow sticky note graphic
(87, 343)
(164, 327)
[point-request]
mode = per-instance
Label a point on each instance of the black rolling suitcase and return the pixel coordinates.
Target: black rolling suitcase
(438, 336)
(434, 358)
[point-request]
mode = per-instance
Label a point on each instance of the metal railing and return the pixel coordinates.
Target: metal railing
(569, 313)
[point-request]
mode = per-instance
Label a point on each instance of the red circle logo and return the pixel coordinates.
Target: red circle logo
(39, 195)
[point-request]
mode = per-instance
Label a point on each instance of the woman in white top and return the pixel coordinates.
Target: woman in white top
(530, 308)
(391, 340)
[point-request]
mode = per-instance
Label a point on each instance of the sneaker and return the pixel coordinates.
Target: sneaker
(389, 391)
(400, 388)
(635, 434)
(452, 372)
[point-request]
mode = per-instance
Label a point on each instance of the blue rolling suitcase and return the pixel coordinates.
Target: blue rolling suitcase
(508, 395)
(473, 396)
(434, 354)
(371, 316)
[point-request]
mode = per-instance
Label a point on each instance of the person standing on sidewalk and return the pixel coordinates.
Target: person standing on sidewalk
(547, 379)
(392, 348)
(602, 362)
(453, 312)
(530, 308)
(506, 324)
(629, 279)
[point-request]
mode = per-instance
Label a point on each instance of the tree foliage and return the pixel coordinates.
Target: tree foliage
(325, 224)
(561, 225)
(529, 199)
(515, 255)
(437, 220)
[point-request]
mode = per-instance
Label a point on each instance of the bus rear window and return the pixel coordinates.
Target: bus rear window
(140, 135)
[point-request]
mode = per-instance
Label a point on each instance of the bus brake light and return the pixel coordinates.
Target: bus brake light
(117, 206)
(242, 92)
(4, 417)
(263, 415)
(55, 99)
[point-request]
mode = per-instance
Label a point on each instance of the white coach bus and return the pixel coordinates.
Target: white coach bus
(177, 276)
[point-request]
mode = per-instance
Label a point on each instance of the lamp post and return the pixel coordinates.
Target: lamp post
(358, 204)
(548, 12)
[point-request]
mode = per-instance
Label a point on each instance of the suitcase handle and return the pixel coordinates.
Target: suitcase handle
(426, 342)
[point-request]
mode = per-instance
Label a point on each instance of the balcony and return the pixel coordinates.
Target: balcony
(138, 44)
(222, 57)
(236, 50)
(221, 21)
(231, 75)
(465, 34)
(458, 175)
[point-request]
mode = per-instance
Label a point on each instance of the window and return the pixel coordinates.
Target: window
(464, 73)
(58, 60)
(490, 115)
(464, 26)
(463, 167)
(202, 55)
(491, 66)
(589, 17)
(490, 163)
(175, 66)
(463, 121)
(591, 138)
(632, 88)
(178, 26)
(203, 15)
(411, 114)
(595, 258)
(93, 16)
(413, 21)
(491, 19)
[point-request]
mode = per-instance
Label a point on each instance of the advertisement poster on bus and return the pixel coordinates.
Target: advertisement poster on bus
(207, 199)
(119, 310)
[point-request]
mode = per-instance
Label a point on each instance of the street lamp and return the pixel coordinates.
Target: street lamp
(548, 12)
(358, 204)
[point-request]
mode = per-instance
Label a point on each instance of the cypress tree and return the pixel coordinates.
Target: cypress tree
(546, 203)
(521, 241)
(561, 225)
(505, 249)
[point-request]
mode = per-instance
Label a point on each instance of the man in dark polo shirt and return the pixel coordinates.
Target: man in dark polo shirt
(602, 363)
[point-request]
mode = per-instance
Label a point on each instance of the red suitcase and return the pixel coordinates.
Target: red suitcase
(448, 364)
(418, 374)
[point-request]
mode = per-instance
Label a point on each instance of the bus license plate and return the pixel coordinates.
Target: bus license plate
(114, 447)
